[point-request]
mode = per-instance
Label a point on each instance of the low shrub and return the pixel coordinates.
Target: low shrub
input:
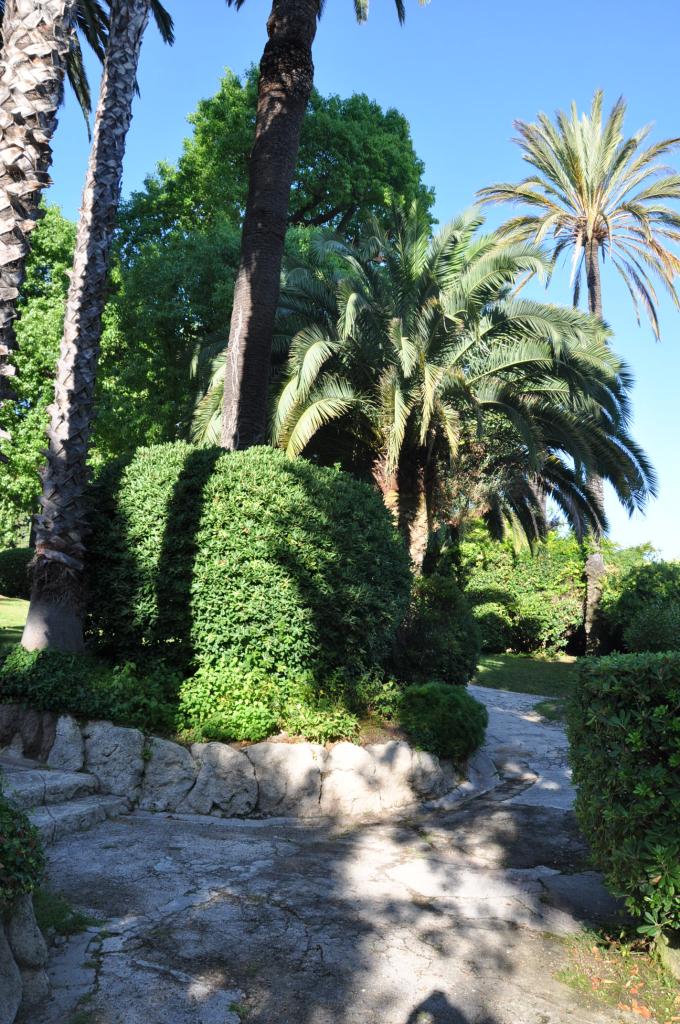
(445, 720)
(230, 701)
(200, 555)
(624, 728)
(14, 580)
(495, 624)
(22, 861)
(439, 639)
(640, 609)
(81, 685)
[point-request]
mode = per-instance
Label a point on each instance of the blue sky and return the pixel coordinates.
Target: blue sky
(461, 72)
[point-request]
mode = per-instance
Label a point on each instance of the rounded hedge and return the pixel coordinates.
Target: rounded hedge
(641, 608)
(199, 554)
(14, 580)
(445, 720)
(439, 639)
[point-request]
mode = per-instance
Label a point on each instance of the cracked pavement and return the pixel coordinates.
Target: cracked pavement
(435, 917)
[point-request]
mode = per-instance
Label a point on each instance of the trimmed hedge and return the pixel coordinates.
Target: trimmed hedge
(439, 639)
(444, 720)
(22, 861)
(624, 728)
(14, 580)
(199, 555)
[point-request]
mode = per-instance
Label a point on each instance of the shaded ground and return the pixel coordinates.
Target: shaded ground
(444, 918)
(13, 614)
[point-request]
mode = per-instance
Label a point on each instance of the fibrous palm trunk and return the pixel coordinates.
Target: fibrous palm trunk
(406, 492)
(56, 610)
(286, 79)
(594, 567)
(35, 44)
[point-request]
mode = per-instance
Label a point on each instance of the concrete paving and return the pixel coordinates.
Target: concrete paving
(440, 917)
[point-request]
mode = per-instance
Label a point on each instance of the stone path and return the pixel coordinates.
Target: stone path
(444, 917)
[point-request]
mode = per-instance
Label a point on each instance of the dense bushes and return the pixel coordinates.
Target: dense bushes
(439, 639)
(525, 601)
(625, 748)
(84, 686)
(445, 720)
(14, 572)
(641, 607)
(22, 861)
(200, 554)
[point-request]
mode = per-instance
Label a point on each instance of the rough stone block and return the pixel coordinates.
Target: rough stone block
(226, 782)
(68, 749)
(393, 769)
(288, 777)
(351, 784)
(169, 774)
(114, 755)
(24, 936)
(10, 982)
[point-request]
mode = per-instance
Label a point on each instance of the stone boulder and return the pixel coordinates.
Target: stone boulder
(351, 783)
(225, 784)
(114, 755)
(68, 749)
(24, 936)
(393, 773)
(10, 982)
(429, 777)
(288, 777)
(169, 775)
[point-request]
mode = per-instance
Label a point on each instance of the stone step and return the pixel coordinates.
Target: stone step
(35, 787)
(59, 820)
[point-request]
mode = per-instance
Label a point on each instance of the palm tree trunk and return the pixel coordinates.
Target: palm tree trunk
(405, 494)
(286, 78)
(56, 610)
(594, 567)
(32, 64)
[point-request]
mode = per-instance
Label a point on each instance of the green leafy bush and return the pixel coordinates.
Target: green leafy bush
(439, 639)
(624, 726)
(528, 601)
(22, 861)
(14, 572)
(640, 608)
(81, 685)
(199, 554)
(236, 702)
(445, 720)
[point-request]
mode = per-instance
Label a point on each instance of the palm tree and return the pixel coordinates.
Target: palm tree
(285, 84)
(40, 45)
(599, 194)
(419, 341)
(56, 609)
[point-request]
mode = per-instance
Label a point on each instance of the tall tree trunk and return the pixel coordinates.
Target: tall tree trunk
(594, 567)
(56, 611)
(406, 495)
(35, 43)
(286, 78)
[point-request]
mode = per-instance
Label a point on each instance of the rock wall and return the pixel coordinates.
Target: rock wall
(23, 957)
(267, 779)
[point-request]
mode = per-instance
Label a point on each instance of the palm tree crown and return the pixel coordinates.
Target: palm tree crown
(598, 193)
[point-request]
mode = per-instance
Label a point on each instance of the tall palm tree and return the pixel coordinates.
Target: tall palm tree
(40, 45)
(418, 342)
(56, 608)
(285, 84)
(599, 194)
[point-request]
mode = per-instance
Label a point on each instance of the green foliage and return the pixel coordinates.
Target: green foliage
(81, 685)
(22, 861)
(526, 600)
(445, 720)
(39, 331)
(624, 726)
(439, 638)
(14, 572)
(640, 607)
(198, 555)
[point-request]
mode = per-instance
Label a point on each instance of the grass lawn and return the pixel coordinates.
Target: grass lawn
(13, 614)
(523, 674)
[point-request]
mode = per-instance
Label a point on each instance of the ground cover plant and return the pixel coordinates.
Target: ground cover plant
(22, 861)
(625, 751)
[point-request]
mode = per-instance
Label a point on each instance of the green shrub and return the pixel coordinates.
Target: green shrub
(235, 702)
(495, 623)
(641, 607)
(439, 639)
(624, 726)
(445, 720)
(22, 861)
(200, 554)
(81, 685)
(528, 601)
(14, 572)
